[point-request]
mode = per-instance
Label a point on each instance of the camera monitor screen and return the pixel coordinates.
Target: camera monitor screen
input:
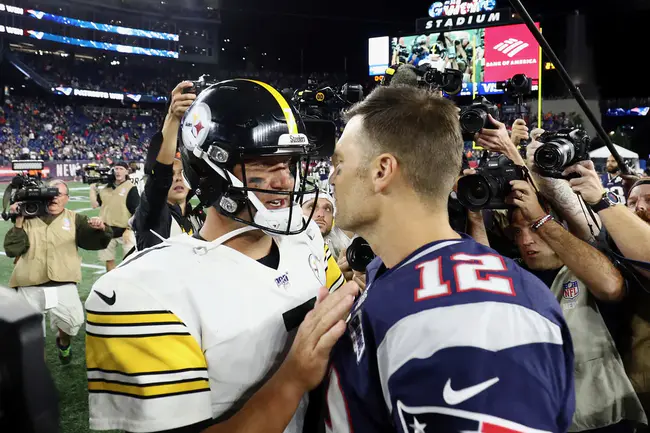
(484, 56)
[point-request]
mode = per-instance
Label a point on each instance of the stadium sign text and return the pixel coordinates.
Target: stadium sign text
(11, 9)
(470, 21)
(459, 7)
(11, 30)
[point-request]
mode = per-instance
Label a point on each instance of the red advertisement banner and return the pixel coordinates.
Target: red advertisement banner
(510, 50)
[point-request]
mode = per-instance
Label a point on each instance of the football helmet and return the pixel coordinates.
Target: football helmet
(230, 123)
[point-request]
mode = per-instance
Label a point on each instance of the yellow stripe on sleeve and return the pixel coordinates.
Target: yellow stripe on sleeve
(149, 391)
(286, 108)
(134, 355)
(335, 277)
(145, 318)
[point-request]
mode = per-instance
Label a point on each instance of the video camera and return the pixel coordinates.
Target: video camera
(27, 189)
(199, 85)
(489, 187)
(326, 101)
(96, 173)
(449, 81)
(474, 117)
(518, 85)
(561, 149)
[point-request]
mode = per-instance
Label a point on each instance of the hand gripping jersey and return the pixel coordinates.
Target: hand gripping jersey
(614, 184)
(183, 332)
(454, 339)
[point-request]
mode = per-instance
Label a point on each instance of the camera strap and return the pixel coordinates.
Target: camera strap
(583, 205)
(540, 198)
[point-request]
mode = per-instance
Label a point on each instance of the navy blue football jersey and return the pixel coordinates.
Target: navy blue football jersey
(455, 338)
(614, 184)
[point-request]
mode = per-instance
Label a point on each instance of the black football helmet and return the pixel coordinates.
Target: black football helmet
(230, 123)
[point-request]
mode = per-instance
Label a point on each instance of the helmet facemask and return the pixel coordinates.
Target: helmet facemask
(240, 202)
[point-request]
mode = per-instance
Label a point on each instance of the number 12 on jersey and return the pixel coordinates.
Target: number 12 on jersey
(471, 272)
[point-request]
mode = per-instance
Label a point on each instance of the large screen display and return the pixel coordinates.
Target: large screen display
(485, 56)
(378, 55)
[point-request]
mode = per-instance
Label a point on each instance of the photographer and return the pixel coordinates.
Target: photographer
(119, 201)
(48, 266)
(578, 275)
(164, 208)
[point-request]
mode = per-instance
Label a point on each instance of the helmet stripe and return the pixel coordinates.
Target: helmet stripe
(284, 105)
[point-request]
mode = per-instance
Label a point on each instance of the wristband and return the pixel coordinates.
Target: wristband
(541, 222)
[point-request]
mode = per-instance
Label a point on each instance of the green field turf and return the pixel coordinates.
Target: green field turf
(70, 379)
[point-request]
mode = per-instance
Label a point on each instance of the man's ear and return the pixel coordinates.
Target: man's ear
(384, 170)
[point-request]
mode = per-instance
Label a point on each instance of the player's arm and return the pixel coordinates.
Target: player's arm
(270, 409)
(335, 278)
(138, 350)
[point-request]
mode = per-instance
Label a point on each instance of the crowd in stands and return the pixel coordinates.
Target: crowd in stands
(50, 131)
(145, 77)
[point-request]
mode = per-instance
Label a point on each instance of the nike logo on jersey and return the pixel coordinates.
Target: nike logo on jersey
(453, 397)
(109, 301)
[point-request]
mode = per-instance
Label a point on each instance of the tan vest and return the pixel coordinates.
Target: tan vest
(604, 394)
(52, 254)
(114, 211)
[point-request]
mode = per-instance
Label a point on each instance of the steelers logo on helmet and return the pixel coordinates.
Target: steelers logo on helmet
(196, 125)
(236, 123)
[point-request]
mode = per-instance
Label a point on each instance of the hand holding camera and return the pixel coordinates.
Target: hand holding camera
(519, 132)
(182, 98)
(498, 140)
(588, 183)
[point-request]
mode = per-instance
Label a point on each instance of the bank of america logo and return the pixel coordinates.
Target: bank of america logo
(511, 47)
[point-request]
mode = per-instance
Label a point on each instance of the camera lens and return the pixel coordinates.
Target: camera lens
(30, 208)
(473, 120)
(554, 155)
(359, 255)
(474, 191)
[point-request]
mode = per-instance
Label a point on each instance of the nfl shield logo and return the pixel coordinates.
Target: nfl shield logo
(571, 290)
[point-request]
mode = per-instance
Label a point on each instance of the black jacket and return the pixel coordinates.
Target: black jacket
(154, 213)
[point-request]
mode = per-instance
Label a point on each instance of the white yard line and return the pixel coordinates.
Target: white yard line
(83, 265)
(86, 209)
(80, 188)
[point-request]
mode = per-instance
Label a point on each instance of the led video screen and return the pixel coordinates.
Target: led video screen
(485, 56)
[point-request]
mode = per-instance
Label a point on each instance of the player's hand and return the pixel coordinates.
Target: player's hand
(588, 185)
(519, 132)
(308, 358)
(180, 101)
(524, 197)
(345, 266)
(496, 140)
(96, 223)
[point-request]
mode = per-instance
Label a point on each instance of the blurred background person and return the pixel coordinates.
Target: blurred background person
(47, 265)
(118, 202)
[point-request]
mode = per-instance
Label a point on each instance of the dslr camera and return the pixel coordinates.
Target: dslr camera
(28, 189)
(561, 149)
(95, 173)
(359, 254)
(474, 117)
(200, 85)
(518, 85)
(489, 187)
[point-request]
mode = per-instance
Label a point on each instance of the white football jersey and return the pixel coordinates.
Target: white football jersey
(183, 332)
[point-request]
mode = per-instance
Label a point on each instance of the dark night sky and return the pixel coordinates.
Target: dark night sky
(329, 32)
